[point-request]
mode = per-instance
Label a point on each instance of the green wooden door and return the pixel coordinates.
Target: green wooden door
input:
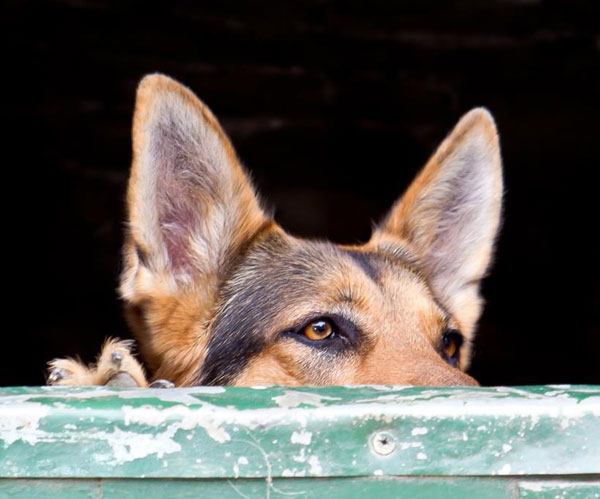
(353, 442)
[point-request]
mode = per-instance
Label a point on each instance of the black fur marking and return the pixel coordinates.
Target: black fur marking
(142, 256)
(365, 262)
(273, 276)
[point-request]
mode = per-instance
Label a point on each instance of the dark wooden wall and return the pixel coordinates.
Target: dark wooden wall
(333, 106)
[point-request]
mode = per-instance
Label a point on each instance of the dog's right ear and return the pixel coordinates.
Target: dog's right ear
(449, 216)
(191, 207)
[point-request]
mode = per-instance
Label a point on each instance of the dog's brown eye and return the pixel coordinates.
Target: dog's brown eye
(451, 343)
(450, 346)
(318, 330)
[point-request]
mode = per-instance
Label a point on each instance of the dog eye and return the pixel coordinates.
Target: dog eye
(318, 330)
(451, 343)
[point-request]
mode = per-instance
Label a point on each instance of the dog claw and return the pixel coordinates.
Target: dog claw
(116, 358)
(56, 375)
(161, 383)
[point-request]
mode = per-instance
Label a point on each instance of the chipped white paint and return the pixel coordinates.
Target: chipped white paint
(531, 486)
(315, 465)
(300, 458)
(188, 419)
(292, 398)
(167, 433)
(176, 395)
(21, 421)
(562, 488)
(410, 445)
(378, 472)
(128, 446)
(432, 404)
(301, 437)
(293, 473)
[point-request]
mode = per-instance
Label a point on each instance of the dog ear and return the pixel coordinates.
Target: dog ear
(450, 214)
(191, 207)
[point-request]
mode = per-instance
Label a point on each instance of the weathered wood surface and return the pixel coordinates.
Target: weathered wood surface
(490, 442)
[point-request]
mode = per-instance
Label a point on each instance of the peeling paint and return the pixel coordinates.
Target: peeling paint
(300, 458)
(188, 419)
(21, 422)
(315, 465)
(293, 398)
(301, 437)
(128, 446)
(410, 445)
(276, 432)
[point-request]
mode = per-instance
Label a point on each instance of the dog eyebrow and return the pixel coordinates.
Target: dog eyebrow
(365, 261)
(401, 256)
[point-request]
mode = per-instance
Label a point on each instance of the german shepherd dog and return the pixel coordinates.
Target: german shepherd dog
(218, 294)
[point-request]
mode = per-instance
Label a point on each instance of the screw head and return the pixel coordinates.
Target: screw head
(383, 443)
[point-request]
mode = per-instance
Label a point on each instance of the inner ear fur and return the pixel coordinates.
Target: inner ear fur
(450, 215)
(191, 211)
(190, 204)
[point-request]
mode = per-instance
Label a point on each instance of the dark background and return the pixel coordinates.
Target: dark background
(333, 106)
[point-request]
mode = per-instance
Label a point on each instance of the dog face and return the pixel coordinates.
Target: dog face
(218, 293)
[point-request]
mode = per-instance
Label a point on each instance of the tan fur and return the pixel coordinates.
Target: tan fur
(184, 267)
(73, 372)
(413, 220)
(176, 310)
(402, 326)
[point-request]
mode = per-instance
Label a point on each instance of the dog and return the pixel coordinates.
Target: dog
(217, 293)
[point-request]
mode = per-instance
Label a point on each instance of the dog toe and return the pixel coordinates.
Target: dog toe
(56, 375)
(68, 372)
(116, 358)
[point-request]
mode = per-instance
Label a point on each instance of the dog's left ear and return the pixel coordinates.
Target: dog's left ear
(191, 206)
(450, 215)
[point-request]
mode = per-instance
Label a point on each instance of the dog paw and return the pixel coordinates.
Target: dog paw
(68, 372)
(115, 366)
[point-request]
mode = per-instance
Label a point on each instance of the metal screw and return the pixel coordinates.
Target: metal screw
(383, 443)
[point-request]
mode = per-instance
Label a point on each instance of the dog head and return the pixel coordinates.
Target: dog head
(218, 293)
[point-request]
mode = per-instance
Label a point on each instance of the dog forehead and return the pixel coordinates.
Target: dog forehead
(282, 281)
(278, 263)
(282, 272)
